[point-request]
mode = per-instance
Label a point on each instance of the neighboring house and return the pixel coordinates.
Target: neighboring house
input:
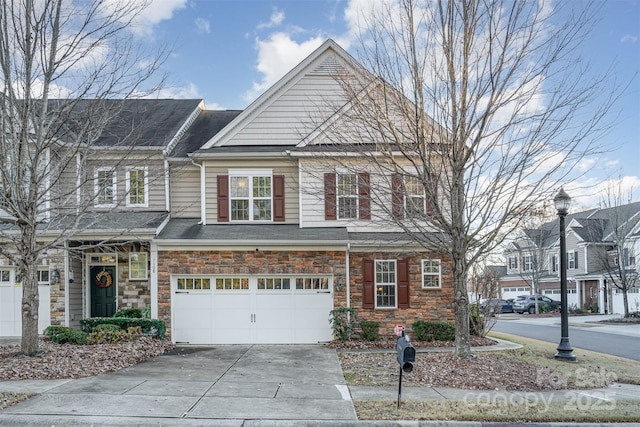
(592, 240)
(244, 228)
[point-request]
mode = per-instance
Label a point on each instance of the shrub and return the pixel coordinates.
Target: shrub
(135, 313)
(106, 327)
(544, 308)
(63, 335)
(343, 320)
(370, 330)
(434, 331)
(152, 327)
(476, 324)
(146, 312)
(111, 334)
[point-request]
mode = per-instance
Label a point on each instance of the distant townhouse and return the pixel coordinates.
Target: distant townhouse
(598, 242)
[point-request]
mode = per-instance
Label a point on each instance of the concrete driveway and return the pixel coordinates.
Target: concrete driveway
(287, 382)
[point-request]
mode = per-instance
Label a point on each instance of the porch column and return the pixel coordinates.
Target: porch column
(154, 281)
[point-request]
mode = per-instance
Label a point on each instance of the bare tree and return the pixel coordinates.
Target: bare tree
(66, 69)
(534, 247)
(474, 111)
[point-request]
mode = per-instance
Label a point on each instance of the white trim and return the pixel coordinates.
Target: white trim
(395, 284)
(97, 188)
(145, 171)
(154, 281)
(439, 274)
(250, 174)
(146, 266)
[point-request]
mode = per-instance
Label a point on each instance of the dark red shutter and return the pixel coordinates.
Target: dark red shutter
(330, 196)
(368, 281)
(364, 195)
(397, 196)
(223, 198)
(403, 284)
(278, 197)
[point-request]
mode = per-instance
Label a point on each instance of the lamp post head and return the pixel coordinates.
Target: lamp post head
(562, 201)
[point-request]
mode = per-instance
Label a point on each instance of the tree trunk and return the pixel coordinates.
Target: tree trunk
(461, 309)
(30, 303)
(625, 299)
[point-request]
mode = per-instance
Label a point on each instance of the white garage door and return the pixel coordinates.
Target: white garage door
(251, 310)
(11, 300)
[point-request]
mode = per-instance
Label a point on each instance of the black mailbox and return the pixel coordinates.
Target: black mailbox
(406, 354)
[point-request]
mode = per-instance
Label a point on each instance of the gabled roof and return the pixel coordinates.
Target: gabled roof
(312, 61)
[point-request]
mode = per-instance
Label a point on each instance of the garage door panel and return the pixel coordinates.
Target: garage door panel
(193, 318)
(232, 318)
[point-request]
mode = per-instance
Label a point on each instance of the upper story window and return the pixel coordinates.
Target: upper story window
(513, 262)
(347, 196)
(137, 187)
(104, 181)
(572, 260)
(554, 263)
(250, 197)
(385, 283)
(527, 263)
(347, 189)
(431, 273)
(409, 198)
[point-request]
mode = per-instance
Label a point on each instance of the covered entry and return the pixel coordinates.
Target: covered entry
(251, 309)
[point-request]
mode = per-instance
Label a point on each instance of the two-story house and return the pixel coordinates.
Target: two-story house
(597, 240)
(246, 226)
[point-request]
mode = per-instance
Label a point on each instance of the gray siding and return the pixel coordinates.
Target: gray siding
(185, 192)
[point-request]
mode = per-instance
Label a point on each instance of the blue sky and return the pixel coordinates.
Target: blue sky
(228, 52)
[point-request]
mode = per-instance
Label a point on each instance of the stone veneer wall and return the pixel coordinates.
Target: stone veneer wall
(131, 293)
(424, 304)
(243, 263)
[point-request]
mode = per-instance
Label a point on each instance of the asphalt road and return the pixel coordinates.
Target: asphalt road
(584, 338)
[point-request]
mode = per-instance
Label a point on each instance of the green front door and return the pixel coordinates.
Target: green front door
(103, 290)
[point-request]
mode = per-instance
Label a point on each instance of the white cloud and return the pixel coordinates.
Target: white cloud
(154, 13)
(274, 21)
(276, 56)
(190, 91)
(202, 26)
(594, 192)
(628, 38)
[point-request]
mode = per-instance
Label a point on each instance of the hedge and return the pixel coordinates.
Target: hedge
(434, 331)
(152, 327)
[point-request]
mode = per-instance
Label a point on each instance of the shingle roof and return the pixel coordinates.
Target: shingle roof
(112, 222)
(133, 122)
(207, 124)
(189, 229)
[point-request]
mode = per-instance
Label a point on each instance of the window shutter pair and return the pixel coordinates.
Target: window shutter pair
(397, 196)
(331, 196)
(368, 281)
(223, 198)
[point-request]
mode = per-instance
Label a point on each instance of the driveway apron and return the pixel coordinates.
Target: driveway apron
(278, 382)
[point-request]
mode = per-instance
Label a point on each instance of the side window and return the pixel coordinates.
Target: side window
(431, 273)
(104, 184)
(138, 266)
(137, 187)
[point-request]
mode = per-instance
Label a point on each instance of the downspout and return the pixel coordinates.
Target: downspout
(166, 186)
(203, 188)
(66, 284)
(154, 280)
(347, 276)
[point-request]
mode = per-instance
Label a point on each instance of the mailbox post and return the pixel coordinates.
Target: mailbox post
(406, 356)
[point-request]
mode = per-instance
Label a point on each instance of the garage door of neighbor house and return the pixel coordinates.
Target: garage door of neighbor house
(251, 310)
(11, 301)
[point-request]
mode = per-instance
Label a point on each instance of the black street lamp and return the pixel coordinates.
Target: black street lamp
(565, 351)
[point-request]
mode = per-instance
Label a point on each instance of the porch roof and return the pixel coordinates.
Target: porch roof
(182, 229)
